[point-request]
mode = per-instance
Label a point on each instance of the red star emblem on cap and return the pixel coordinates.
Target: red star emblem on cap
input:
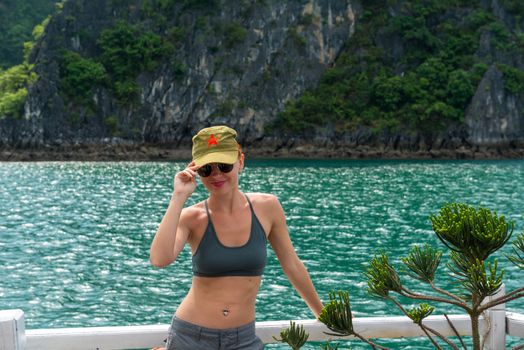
(212, 141)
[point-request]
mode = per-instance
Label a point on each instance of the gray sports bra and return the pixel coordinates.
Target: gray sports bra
(213, 259)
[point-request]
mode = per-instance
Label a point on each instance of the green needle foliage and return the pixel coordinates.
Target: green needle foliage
(382, 277)
(476, 233)
(459, 265)
(420, 312)
(423, 262)
(295, 336)
(472, 235)
(518, 251)
(336, 314)
(481, 284)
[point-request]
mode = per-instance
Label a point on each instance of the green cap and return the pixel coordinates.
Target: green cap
(216, 144)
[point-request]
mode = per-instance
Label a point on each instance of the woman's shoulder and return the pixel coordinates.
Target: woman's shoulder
(267, 208)
(263, 199)
(194, 211)
(259, 196)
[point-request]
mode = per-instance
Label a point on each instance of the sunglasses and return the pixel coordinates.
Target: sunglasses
(206, 170)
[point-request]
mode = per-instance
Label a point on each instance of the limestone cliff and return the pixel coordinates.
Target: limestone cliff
(245, 81)
(285, 47)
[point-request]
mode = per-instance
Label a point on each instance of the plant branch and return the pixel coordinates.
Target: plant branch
(518, 347)
(440, 336)
(425, 328)
(430, 338)
(337, 316)
(456, 332)
(355, 334)
(475, 326)
(504, 299)
(374, 345)
(488, 329)
(407, 293)
(518, 290)
(477, 302)
(451, 295)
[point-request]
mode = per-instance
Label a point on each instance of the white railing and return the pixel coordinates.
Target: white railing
(13, 335)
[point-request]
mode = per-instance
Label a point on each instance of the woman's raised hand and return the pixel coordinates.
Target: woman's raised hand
(185, 180)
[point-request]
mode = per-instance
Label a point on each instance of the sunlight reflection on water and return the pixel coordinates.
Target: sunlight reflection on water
(74, 237)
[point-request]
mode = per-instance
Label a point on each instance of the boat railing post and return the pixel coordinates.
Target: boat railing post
(495, 323)
(12, 330)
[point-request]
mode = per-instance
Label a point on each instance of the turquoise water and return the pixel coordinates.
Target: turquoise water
(74, 237)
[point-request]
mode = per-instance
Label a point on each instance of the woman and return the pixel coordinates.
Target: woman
(227, 234)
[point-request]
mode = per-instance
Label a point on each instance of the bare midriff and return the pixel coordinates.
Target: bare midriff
(220, 302)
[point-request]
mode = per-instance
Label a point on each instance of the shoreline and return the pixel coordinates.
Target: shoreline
(311, 151)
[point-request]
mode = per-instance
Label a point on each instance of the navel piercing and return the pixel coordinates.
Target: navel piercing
(225, 312)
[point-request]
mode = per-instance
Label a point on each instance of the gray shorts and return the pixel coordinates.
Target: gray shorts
(188, 336)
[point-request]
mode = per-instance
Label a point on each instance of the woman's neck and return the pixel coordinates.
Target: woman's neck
(227, 202)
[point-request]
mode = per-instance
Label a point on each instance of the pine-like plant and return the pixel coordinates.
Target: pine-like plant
(337, 316)
(295, 336)
(472, 235)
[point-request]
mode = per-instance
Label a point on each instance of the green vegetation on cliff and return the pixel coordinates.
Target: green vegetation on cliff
(17, 20)
(411, 65)
(417, 69)
(13, 89)
(126, 51)
(15, 80)
(80, 74)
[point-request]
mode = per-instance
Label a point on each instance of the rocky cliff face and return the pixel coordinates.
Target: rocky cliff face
(285, 48)
(494, 116)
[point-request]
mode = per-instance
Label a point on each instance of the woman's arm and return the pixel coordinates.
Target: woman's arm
(172, 233)
(290, 262)
(170, 237)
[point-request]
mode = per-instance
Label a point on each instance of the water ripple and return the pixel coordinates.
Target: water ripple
(74, 237)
